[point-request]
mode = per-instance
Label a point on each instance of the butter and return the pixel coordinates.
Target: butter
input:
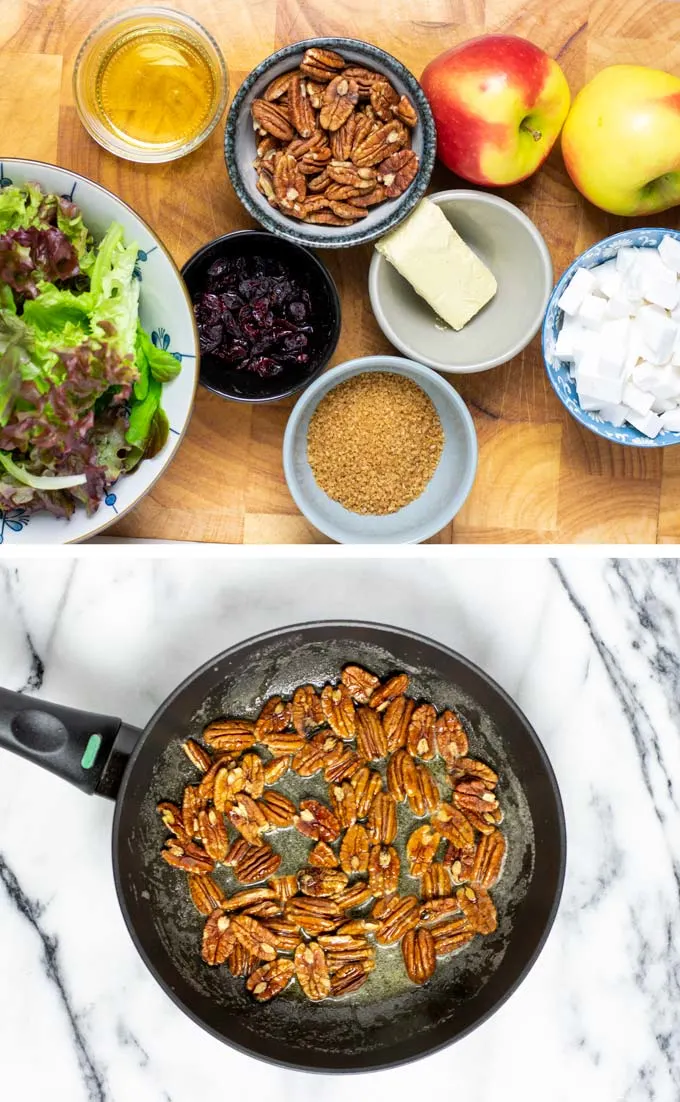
(426, 250)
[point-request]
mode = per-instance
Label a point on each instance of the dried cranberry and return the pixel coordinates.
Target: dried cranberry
(265, 366)
(210, 337)
(297, 311)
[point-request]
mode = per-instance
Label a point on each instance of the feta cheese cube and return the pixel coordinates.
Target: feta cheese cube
(649, 424)
(618, 306)
(582, 283)
(661, 292)
(639, 401)
(658, 332)
(667, 385)
(594, 388)
(591, 311)
(663, 405)
(645, 374)
(615, 414)
(669, 251)
(625, 259)
(671, 420)
(609, 281)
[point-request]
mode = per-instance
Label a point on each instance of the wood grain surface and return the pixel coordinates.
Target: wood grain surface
(541, 478)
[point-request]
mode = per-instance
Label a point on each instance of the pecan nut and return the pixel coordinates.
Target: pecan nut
(197, 754)
(323, 857)
(420, 957)
(275, 769)
(311, 971)
(219, 938)
(478, 908)
(254, 936)
(239, 901)
(398, 171)
(348, 979)
(371, 740)
(366, 784)
(213, 834)
(382, 820)
(317, 821)
(406, 112)
(383, 98)
(452, 934)
(359, 681)
(270, 979)
(455, 826)
(302, 114)
(488, 859)
(435, 881)
(379, 144)
(278, 809)
(320, 64)
(383, 870)
(253, 775)
(394, 686)
(187, 857)
(396, 721)
(420, 741)
(338, 708)
(354, 850)
(206, 896)
(230, 736)
(421, 849)
(290, 185)
(398, 914)
(322, 883)
(272, 118)
(344, 803)
(468, 768)
(256, 863)
(248, 818)
(240, 962)
(320, 752)
(451, 737)
(339, 100)
(314, 915)
(474, 796)
(306, 711)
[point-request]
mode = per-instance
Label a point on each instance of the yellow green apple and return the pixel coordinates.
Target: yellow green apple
(498, 103)
(621, 140)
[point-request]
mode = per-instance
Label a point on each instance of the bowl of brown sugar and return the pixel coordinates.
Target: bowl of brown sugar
(380, 450)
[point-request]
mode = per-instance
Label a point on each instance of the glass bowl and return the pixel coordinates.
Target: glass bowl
(122, 33)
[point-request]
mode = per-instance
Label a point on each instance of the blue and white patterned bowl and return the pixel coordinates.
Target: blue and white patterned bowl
(240, 143)
(166, 313)
(558, 371)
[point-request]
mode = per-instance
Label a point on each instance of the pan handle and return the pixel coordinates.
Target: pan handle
(89, 750)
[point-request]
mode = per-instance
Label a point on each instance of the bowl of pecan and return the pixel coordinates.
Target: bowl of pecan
(330, 142)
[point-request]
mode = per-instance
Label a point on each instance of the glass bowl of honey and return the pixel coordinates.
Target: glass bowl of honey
(150, 84)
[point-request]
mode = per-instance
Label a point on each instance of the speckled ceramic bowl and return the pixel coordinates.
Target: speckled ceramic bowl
(558, 371)
(240, 143)
(510, 245)
(441, 499)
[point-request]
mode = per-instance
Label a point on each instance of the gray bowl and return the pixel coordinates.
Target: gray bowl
(240, 146)
(513, 249)
(442, 497)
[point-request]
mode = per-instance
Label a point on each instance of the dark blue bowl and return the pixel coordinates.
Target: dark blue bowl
(240, 143)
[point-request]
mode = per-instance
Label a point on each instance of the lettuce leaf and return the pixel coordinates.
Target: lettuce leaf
(20, 207)
(115, 292)
(162, 365)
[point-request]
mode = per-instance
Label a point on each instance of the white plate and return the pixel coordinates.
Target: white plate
(165, 312)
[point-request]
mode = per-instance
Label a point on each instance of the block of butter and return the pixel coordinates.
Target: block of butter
(426, 250)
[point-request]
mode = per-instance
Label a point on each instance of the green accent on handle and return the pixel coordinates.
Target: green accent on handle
(91, 750)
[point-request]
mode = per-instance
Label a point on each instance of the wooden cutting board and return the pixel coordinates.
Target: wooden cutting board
(541, 478)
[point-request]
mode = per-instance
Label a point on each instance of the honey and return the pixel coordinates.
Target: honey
(150, 84)
(155, 87)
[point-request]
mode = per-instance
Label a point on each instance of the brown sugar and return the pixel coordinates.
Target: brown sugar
(374, 442)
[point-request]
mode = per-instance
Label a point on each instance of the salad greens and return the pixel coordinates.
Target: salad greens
(81, 382)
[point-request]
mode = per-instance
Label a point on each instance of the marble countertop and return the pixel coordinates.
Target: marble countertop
(590, 650)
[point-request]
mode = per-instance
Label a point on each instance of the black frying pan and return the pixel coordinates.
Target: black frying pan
(389, 1021)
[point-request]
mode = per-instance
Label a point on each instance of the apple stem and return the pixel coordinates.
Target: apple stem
(535, 134)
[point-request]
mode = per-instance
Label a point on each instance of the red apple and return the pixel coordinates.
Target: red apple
(499, 103)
